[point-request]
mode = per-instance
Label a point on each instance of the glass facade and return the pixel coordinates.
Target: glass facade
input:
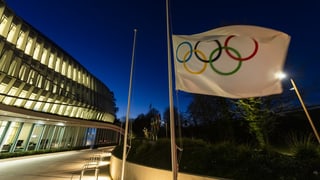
(68, 106)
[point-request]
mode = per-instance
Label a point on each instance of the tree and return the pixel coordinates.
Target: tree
(166, 115)
(154, 118)
(259, 114)
(143, 122)
(206, 109)
(139, 124)
(212, 118)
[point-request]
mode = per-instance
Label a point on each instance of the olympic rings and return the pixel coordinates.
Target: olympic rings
(226, 73)
(190, 54)
(214, 56)
(205, 60)
(202, 69)
(241, 59)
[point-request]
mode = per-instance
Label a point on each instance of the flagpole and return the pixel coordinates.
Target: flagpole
(124, 154)
(172, 124)
(305, 110)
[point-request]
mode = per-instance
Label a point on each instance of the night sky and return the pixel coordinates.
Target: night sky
(99, 35)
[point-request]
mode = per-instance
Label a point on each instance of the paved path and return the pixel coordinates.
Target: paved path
(56, 166)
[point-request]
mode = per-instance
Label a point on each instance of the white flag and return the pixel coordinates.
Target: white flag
(237, 61)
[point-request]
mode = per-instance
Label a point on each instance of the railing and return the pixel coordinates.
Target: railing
(93, 164)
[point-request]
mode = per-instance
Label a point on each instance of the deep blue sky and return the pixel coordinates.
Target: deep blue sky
(99, 34)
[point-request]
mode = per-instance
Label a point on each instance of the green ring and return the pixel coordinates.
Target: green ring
(225, 73)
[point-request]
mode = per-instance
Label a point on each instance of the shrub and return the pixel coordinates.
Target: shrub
(227, 159)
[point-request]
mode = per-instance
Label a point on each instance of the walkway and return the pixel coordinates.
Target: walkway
(57, 166)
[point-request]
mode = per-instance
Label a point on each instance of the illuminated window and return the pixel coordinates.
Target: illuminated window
(84, 79)
(29, 46)
(2, 87)
(3, 24)
(57, 68)
(36, 52)
(47, 105)
(80, 110)
(11, 133)
(44, 56)
(20, 40)
(7, 100)
(73, 112)
(39, 103)
(75, 74)
(64, 68)
(47, 85)
(12, 68)
(79, 77)
(39, 82)
(55, 87)
(22, 72)
(69, 71)
(11, 33)
(2, 60)
(30, 102)
(31, 77)
(61, 109)
(19, 101)
(51, 61)
(3, 125)
(56, 106)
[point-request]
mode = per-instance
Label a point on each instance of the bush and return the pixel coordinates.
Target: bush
(226, 159)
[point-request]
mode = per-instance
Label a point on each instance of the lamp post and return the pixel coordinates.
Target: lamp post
(305, 110)
(282, 76)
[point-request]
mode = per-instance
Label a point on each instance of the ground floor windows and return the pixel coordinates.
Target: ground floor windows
(25, 136)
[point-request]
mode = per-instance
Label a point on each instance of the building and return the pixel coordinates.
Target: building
(48, 99)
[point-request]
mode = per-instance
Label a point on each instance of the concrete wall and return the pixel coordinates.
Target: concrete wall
(139, 172)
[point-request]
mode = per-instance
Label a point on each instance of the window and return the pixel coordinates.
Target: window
(29, 46)
(70, 71)
(51, 61)
(30, 102)
(22, 72)
(20, 40)
(39, 103)
(74, 74)
(11, 93)
(20, 100)
(2, 87)
(31, 77)
(47, 85)
(12, 68)
(57, 68)
(11, 33)
(64, 68)
(44, 56)
(36, 52)
(40, 80)
(47, 105)
(3, 23)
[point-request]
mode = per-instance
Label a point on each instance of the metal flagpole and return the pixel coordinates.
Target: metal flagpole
(172, 124)
(124, 154)
(305, 109)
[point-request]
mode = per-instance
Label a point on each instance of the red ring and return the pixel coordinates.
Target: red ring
(239, 58)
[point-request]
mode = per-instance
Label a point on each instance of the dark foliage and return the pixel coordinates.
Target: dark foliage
(228, 160)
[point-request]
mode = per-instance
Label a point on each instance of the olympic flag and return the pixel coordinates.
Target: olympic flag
(238, 61)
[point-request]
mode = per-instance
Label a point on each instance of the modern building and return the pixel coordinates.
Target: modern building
(47, 98)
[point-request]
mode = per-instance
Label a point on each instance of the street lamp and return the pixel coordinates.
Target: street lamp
(282, 76)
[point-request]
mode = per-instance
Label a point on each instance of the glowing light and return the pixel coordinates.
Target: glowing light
(280, 75)
(60, 124)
